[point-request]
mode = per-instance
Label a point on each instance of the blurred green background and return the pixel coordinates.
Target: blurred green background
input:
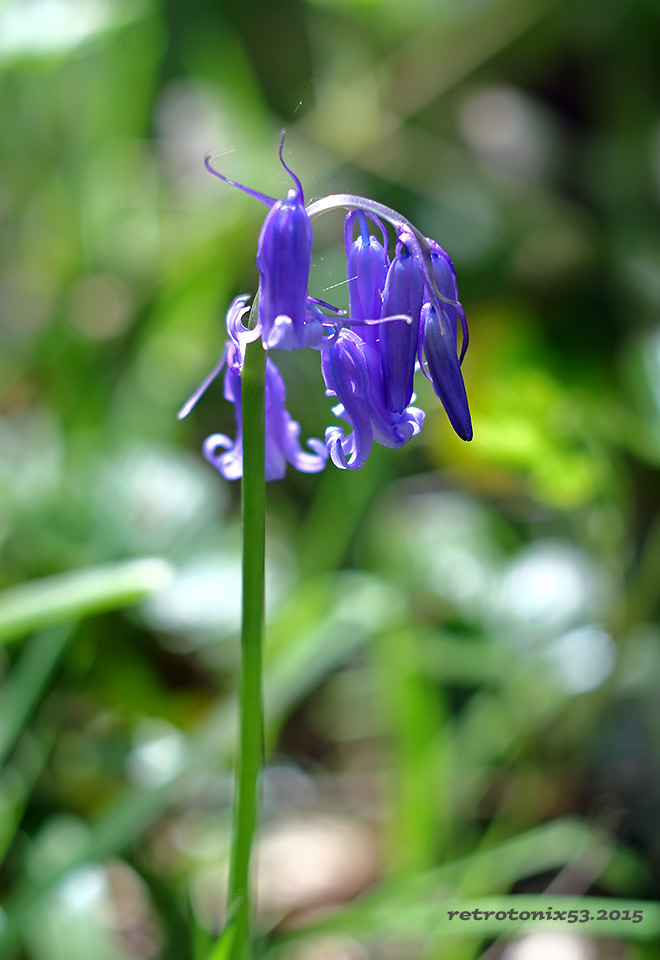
(464, 650)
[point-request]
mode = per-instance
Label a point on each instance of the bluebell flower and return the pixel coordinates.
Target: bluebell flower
(352, 372)
(403, 315)
(367, 263)
(438, 344)
(284, 258)
(404, 294)
(282, 432)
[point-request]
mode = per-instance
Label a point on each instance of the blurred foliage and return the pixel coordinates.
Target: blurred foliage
(464, 647)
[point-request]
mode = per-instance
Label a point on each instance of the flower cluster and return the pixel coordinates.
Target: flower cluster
(403, 315)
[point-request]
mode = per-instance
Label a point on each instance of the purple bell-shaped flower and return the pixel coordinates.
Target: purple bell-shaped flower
(404, 294)
(438, 344)
(367, 264)
(284, 258)
(352, 372)
(282, 432)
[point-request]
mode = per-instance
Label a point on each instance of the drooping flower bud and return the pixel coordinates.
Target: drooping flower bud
(367, 264)
(438, 344)
(284, 258)
(404, 293)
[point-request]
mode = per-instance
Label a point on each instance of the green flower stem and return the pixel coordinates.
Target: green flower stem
(250, 753)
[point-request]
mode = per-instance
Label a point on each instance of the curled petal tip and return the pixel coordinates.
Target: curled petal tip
(288, 169)
(261, 197)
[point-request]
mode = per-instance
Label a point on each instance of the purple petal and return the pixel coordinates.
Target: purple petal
(239, 333)
(230, 463)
